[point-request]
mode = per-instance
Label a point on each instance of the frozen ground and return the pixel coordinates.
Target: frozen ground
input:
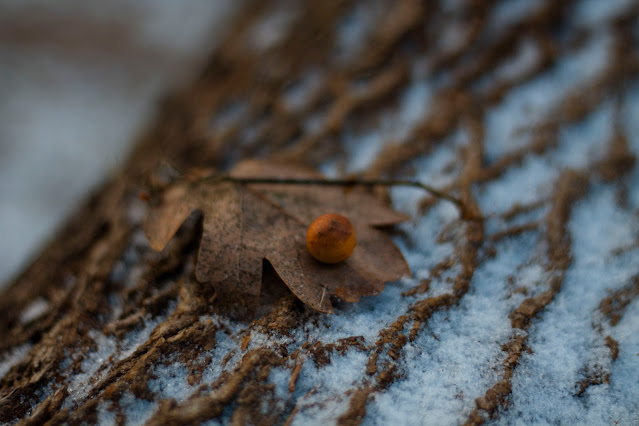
(569, 372)
(77, 82)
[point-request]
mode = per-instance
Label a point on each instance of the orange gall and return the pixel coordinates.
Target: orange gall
(331, 238)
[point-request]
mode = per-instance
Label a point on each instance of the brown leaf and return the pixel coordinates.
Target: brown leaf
(247, 223)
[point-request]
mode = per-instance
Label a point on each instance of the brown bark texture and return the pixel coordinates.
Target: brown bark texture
(102, 329)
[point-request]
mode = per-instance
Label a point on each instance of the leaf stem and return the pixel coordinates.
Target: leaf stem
(348, 182)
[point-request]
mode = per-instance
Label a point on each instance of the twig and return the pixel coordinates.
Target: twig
(350, 182)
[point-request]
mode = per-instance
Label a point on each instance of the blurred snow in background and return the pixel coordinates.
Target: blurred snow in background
(78, 81)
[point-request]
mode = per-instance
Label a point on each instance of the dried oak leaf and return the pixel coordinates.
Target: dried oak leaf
(246, 223)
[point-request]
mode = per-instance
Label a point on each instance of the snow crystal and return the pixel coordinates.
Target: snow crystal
(170, 381)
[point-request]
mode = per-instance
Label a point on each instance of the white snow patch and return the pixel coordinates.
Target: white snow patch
(451, 362)
(297, 95)
(171, 381)
(105, 416)
(392, 127)
(508, 12)
(79, 385)
(630, 125)
(12, 357)
(314, 122)
(594, 13)
(525, 59)
(563, 339)
(138, 411)
(228, 340)
(362, 149)
(453, 36)
(618, 403)
(414, 105)
(422, 251)
(229, 117)
(533, 101)
(352, 32)
(440, 167)
(452, 6)
(580, 144)
(332, 380)
(273, 27)
(35, 309)
(97, 363)
(526, 184)
(135, 338)
(583, 143)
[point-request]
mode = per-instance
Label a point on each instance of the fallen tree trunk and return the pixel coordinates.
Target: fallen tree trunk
(525, 111)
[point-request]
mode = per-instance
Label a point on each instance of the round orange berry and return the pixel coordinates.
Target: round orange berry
(331, 238)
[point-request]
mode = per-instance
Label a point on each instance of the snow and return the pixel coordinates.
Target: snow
(105, 416)
(363, 147)
(524, 60)
(564, 340)
(297, 95)
(229, 117)
(272, 28)
(90, 365)
(591, 13)
(453, 36)
(330, 403)
(138, 411)
(535, 100)
(9, 359)
(354, 29)
(508, 12)
(97, 363)
(524, 185)
(170, 381)
(37, 308)
(228, 339)
(450, 363)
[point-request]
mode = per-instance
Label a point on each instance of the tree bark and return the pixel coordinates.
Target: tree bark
(102, 329)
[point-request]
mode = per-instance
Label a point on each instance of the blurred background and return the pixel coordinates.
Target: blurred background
(78, 81)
